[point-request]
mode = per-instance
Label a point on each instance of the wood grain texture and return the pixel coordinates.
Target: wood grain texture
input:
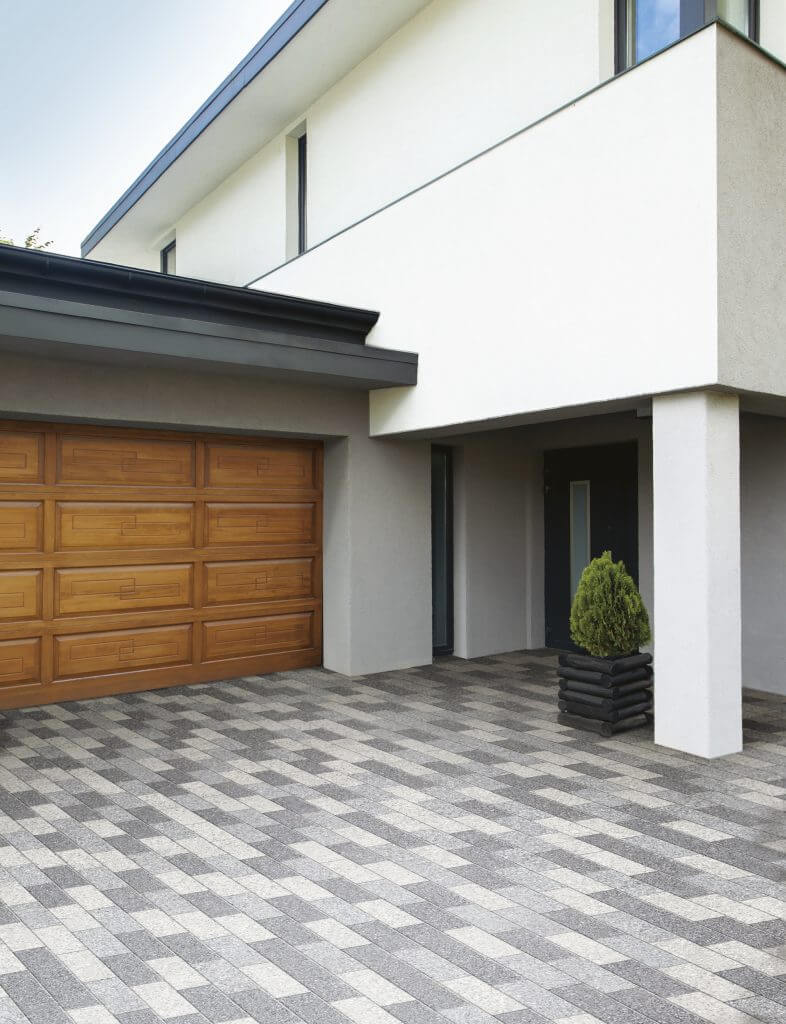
(260, 524)
(21, 525)
(135, 559)
(98, 460)
(121, 650)
(21, 457)
(122, 588)
(118, 524)
(265, 635)
(271, 466)
(20, 662)
(20, 594)
(273, 579)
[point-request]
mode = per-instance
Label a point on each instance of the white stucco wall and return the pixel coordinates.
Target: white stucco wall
(457, 78)
(697, 560)
(536, 277)
(751, 218)
(240, 226)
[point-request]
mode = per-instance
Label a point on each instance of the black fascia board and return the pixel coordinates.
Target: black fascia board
(294, 18)
(33, 272)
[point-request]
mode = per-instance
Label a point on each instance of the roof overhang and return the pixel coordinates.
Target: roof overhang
(312, 46)
(65, 308)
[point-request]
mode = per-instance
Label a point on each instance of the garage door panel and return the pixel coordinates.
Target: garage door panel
(20, 594)
(280, 467)
(262, 580)
(21, 458)
(236, 638)
(141, 559)
(20, 662)
(86, 654)
(117, 525)
(237, 523)
(116, 460)
(122, 589)
(21, 525)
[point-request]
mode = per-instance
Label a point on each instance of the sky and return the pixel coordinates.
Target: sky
(91, 90)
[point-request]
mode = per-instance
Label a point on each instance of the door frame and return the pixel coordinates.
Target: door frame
(448, 646)
(628, 454)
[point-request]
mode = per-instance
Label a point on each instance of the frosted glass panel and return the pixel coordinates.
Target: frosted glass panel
(579, 531)
(735, 12)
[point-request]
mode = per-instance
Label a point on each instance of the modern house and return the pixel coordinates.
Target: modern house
(568, 222)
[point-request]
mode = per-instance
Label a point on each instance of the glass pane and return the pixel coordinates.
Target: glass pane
(442, 610)
(579, 531)
(735, 12)
(656, 23)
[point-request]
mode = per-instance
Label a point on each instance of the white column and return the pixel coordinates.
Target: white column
(377, 555)
(697, 606)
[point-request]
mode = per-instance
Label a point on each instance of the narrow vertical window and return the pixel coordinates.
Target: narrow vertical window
(169, 259)
(579, 531)
(302, 178)
(442, 549)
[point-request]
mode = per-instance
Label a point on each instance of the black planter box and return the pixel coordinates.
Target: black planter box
(612, 666)
(605, 695)
(605, 702)
(605, 691)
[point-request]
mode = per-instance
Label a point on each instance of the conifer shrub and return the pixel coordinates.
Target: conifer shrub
(608, 618)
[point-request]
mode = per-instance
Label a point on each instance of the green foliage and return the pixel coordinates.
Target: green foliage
(32, 241)
(608, 617)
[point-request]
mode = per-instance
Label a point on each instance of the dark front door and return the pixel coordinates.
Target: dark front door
(591, 506)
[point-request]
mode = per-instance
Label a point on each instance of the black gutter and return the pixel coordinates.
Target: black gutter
(32, 272)
(296, 16)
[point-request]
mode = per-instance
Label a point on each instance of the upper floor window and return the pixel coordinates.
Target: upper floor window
(302, 178)
(645, 26)
(169, 259)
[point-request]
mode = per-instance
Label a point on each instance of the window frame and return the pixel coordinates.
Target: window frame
(624, 57)
(302, 185)
(171, 248)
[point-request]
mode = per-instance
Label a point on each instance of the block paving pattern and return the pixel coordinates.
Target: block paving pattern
(424, 847)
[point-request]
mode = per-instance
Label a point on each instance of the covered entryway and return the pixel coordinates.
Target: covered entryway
(131, 560)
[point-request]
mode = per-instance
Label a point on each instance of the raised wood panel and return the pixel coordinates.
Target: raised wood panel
(122, 588)
(20, 661)
(133, 559)
(21, 525)
(271, 579)
(110, 525)
(282, 467)
(20, 594)
(263, 635)
(260, 524)
(88, 654)
(21, 458)
(126, 461)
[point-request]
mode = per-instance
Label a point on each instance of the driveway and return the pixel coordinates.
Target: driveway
(420, 846)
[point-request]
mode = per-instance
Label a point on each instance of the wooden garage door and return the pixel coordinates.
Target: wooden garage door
(131, 560)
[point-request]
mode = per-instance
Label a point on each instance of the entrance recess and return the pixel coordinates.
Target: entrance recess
(591, 506)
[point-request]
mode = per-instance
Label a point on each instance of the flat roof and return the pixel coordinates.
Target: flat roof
(66, 307)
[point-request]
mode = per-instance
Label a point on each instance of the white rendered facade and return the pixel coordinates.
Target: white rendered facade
(577, 258)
